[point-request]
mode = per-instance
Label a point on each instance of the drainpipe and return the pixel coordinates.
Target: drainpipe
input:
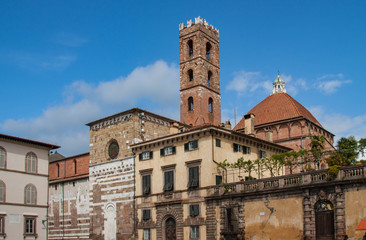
(134, 179)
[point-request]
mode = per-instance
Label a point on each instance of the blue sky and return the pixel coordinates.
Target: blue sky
(66, 63)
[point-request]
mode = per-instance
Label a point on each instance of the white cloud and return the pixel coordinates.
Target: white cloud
(330, 83)
(156, 84)
(244, 82)
(341, 125)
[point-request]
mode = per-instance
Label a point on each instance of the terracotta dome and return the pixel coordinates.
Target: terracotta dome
(277, 107)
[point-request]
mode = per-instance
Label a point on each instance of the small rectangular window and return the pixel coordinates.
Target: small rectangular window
(146, 184)
(193, 178)
(146, 214)
(262, 154)
(146, 155)
(195, 232)
(168, 181)
(218, 179)
(236, 147)
(194, 210)
(30, 225)
(192, 145)
(146, 234)
(218, 143)
(2, 224)
(246, 150)
(167, 151)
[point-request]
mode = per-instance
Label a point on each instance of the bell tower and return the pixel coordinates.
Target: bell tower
(200, 99)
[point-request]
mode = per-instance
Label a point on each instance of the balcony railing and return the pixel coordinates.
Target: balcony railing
(287, 181)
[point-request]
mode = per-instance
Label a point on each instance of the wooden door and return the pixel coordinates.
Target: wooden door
(324, 221)
(170, 229)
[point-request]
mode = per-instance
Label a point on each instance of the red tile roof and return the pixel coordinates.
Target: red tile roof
(277, 107)
(362, 225)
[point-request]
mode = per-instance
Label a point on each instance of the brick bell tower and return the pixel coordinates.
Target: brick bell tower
(200, 99)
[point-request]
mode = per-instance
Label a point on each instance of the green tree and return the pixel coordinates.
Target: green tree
(316, 147)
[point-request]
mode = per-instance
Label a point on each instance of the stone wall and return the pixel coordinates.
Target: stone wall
(111, 200)
(68, 213)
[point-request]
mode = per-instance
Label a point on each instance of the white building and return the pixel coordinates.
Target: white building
(23, 188)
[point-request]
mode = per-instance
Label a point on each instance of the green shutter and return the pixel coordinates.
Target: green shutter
(186, 148)
(162, 152)
(140, 156)
(173, 149)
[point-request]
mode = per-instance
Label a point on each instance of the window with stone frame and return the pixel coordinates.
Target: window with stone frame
(218, 142)
(218, 179)
(2, 158)
(30, 194)
(193, 177)
(2, 191)
(167, 151)
(237, 147)
(31, 162)
(146, 234)
(146, 214)
(2, 225)
(194, 210)
(194, 232)
(30, 226)
(146, 155)
(168, 181)
(246, 150)
(191, 145)
(146, 184)
(262, 154)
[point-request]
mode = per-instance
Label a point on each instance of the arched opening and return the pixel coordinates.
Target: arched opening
(190, 104)
(30, 194)
(2, 158)
(209, 75)
(190, 47)
(210, 108)
(170, 229)
(190, 75)
(2, 191)
(208, 50)
(324, 220)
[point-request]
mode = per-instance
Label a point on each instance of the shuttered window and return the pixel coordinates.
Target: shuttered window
(146, 155)
(146, 214)
(236, 147)
(193, 179)
(218, 179)
(167, 151)
(246, 150)
(194, 210)
(168, 181)
(146, 184)
(192, 145)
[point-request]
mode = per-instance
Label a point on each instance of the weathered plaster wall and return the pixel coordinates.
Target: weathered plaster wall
(286, 221)
(355, 211)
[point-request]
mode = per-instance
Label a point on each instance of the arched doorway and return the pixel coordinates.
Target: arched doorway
(170, 229)
(324, 220)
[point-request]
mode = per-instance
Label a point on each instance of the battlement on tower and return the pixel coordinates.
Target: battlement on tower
(199, 21)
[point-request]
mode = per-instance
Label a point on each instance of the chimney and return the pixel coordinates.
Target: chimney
(249, 124)
(174, 128)
(227, 125)
(269, 135)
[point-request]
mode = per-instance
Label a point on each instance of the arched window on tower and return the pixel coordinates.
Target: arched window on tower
(210, 108)
(190, 75)
(190, 47)
(190, 103)
(209, 78)
(208, 50)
